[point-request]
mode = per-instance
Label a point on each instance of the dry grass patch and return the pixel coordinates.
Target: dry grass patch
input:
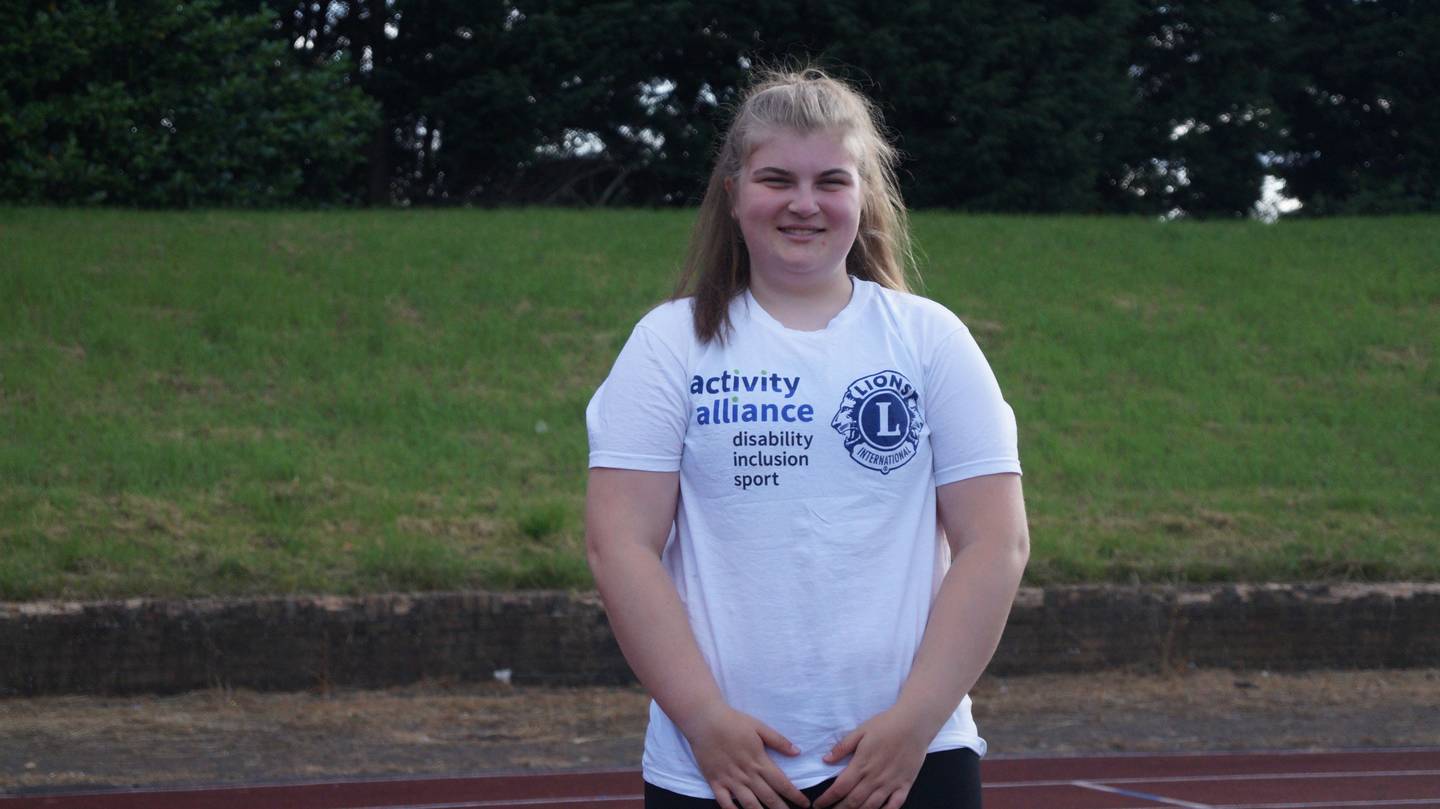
(1410, 356)
(402, 312)
(468, 530)
(135, 514)
(205, 388)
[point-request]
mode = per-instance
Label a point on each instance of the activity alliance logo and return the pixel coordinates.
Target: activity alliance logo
(880, 420)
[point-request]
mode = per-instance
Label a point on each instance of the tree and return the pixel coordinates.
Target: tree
(1363, 131)
(155, 103)
(1206, 112)
(359, 34)
(998, 106)
(1138, 106)
(557, 101)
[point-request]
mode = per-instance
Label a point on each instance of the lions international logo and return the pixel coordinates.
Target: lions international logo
(880, 420)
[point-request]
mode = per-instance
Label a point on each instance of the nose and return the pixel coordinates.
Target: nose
(802, 202)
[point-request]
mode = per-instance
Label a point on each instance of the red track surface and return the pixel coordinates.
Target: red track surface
(1379, 778)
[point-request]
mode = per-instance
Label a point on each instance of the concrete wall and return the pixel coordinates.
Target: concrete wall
(555, 638)
(1281, 627)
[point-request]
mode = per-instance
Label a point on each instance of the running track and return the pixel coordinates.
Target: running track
(1408, 777)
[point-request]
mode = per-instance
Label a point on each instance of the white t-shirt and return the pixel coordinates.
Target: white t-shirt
(806, 548)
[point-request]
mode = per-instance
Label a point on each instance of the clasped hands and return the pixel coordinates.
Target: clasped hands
(886, 753)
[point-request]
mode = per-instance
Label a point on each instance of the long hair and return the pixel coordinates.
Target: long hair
(717, 265)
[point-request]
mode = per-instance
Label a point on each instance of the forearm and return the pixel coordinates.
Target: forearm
(653, 630)
(966, 621)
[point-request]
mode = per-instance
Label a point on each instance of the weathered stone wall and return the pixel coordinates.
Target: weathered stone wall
(304, 642)
(138, 645)
(1282, 627)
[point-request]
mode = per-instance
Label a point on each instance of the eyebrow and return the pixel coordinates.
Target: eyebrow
(784, 173)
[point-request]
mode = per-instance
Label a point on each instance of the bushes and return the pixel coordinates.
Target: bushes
(162, 104)
(1092, 106)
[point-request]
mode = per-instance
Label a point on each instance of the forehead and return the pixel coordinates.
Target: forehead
(802, 152)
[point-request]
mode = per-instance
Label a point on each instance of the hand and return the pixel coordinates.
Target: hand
(730, 747)
(888, 751)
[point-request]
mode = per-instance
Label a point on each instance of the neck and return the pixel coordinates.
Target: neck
(805, 306)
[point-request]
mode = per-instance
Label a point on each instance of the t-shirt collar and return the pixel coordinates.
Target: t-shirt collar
(860, 292)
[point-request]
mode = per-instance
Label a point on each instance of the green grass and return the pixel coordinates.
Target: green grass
(240, 403)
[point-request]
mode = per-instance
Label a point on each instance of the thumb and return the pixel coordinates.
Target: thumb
(772, 738)
(846, 746)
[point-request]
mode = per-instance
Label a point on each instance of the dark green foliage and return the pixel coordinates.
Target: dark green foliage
(1205, 109)
(999, 106)
(159, 103)
(513, 88)
(1364, 131)
(1130, 106)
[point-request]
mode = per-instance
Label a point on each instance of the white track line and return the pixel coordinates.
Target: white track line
(502, 802)
(1085, 784)
(1337, 803)
(1146, 796)
(1101, 785)
(1207, 753)
(1190, 779)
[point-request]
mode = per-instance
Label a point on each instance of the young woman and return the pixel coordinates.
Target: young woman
(785, 459)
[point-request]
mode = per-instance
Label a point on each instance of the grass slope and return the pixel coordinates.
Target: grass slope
(232, 403)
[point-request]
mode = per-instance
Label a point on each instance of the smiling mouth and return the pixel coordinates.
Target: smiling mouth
(801, 231)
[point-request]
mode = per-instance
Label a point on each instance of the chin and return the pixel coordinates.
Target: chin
(810, 269)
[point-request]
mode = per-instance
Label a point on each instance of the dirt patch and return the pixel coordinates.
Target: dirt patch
(1209, 710)
(221, 736)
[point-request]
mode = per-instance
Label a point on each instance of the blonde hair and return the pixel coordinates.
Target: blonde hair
(717, 265)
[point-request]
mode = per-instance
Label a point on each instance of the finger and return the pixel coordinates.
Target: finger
(849, 801)
(773, 739)
(876, 799)
(781, 784)
(859, 797)
(768, 796)
(722, 796)
(897, 799)
(837, 790)
(746, 798)
(846, 746)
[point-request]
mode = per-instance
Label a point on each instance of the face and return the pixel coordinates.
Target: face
(797, 200)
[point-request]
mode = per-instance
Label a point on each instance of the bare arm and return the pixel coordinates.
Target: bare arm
(628, 515)
(984, 520)
(627, 519)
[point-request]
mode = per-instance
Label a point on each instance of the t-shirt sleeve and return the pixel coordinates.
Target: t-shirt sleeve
(637, 418)
(972, 428)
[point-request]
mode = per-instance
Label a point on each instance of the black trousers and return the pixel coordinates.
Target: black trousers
(949, 779)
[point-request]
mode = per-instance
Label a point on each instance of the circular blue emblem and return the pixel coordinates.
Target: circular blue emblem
(884, 420)
(880, 420)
